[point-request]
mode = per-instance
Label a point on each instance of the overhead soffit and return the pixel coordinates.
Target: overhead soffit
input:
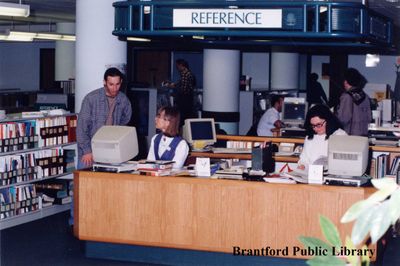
(302, 23)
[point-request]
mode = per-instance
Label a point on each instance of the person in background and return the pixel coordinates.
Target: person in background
(185, 89)
(104, 106)
(315, 92)
(320, 124)
(354, 110)
(168, 145)
(271, 118)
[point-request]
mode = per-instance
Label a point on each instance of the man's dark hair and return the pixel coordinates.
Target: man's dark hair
(275, 98)
(354, 78)
(113, 72)
(313, 76)
(182, 62)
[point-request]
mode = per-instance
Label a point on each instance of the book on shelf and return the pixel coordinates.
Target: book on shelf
(64, 200)
(55, 188)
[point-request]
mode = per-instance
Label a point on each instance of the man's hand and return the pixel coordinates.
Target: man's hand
(87, 159)
(279, 124)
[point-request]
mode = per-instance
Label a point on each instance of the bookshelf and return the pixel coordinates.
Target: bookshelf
(33, 150)
(250, 141)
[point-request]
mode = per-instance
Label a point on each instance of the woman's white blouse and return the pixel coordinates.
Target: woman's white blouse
(181, 152)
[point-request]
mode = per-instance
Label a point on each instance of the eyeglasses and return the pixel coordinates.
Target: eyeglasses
(319, 125)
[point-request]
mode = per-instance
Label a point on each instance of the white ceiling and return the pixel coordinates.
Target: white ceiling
(49, 11)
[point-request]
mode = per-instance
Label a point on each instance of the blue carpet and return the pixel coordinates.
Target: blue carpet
(179, 257)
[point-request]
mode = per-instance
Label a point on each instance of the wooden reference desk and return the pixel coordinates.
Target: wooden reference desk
(204, 214)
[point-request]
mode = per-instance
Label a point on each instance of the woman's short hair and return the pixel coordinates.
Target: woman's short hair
(173, 116)
(322, 111)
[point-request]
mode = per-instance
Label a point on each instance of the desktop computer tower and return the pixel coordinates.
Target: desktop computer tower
(261, 159)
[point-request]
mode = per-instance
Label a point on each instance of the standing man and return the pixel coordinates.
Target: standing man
(271, 118)
(354, 110)
(185, 89)
(315, 92)
(104, 106)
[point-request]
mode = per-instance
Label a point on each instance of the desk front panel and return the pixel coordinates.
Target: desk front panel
(205, 214)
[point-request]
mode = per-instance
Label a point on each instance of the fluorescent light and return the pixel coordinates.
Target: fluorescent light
(372, 60)
(48, 36)
(70, 38)
(25, 36)
(14, 10)
(137, 39)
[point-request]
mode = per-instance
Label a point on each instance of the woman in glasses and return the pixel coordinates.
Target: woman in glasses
(320, 124)
(168, 145)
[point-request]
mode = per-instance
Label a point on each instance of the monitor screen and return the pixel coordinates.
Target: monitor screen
(294, 110)
(347, 155)
(114, 144)
(200, 130)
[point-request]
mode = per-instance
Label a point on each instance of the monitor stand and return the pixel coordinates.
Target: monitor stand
(115, 168)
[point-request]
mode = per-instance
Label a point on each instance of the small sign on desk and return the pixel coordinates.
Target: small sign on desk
(203, 166)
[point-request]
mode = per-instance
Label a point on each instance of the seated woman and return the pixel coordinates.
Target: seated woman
(168, 145)
(319, 125)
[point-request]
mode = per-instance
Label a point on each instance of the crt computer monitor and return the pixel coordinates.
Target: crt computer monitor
(294, 110)
(200, 130)
(347, 155)
(114, 144)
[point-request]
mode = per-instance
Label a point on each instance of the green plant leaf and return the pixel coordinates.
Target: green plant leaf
(380, 222)
(330, 231)
(355, 210)
(352, 259)
(383, 183)
(326, 261)
(394, 206)
(362, 225)
(365, 258)
(313, 242)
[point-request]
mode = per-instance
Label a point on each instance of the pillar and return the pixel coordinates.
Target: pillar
(96, 48)
(65, 53)
(284, 71)
(221, 73)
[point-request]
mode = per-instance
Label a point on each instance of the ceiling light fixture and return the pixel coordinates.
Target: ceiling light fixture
(14, 10)
(25, 36)
(372, 60)
(137, 39)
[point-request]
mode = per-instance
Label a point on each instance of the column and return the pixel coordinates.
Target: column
(96, 48)
(65, 53)
(221, 73)
(284, 71)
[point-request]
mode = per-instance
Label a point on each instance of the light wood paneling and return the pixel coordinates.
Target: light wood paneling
(205, 214)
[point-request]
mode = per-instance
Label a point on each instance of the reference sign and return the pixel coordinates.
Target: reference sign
(227, 18)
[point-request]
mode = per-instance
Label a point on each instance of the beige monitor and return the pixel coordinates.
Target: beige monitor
(114, 144)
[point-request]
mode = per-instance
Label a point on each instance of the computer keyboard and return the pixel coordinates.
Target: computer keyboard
(231, 150)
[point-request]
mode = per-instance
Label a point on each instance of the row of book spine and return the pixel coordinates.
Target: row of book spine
(19, 143)
(18, 200)
(56, 130)
(241, 144)
(10, 130)
(32, 165)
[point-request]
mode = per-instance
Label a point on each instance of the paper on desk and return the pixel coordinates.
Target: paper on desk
(297, 175)
(279, 180)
